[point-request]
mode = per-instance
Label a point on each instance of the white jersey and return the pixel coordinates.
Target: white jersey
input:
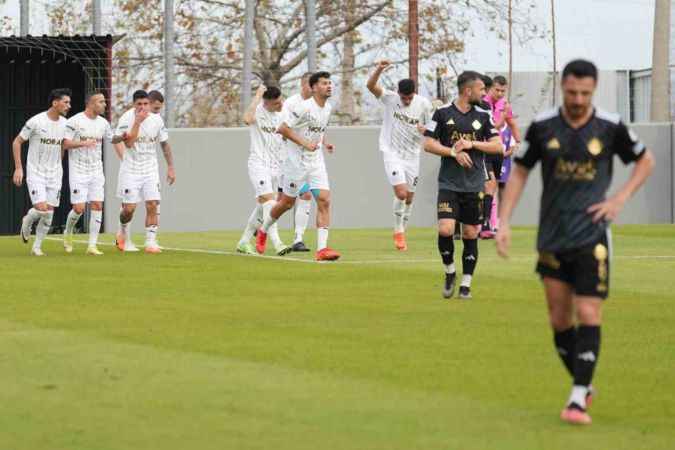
(87, 160)
(142, 157)
(266, 143)
(399, 134)
(310, 121)
(44, 137)
(291, 102)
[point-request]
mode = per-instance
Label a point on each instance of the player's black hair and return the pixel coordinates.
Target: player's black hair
(580, 68)
(58, 94)
(316, 77)
(272, 93)
(88, 97)
(487, 81)
(500, 80)
(139, 94)
(406, 86)
(467, 77)
(156, 96)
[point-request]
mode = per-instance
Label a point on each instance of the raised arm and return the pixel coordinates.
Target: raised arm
(375, 77)
(249, 114)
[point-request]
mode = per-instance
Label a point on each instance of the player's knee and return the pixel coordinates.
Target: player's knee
(589, 312)
(151, 207)
(79, 208)
(469, 232)
(560, 320)
(97, 206)
(42, 207)
(446, 230)
(306, 196)
(401, 192)
(128, 209)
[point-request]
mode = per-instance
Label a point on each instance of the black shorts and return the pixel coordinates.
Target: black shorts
(493, 163)
(465, 207)
(585, 269)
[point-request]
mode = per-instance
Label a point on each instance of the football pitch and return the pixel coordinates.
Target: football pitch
(200, 348)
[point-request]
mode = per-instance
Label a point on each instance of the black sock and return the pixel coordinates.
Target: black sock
(587, 350)
(446, 247)
(566, 345)
(487, 211)
(469, 256)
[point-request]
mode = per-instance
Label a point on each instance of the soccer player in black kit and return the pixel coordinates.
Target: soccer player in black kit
(461, 134)
(576, 145)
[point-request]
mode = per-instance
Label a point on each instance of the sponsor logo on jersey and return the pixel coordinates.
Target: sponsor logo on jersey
(456, 136)
(595, 147)
(553, 144)
(575, 170)
(316, 129)
(403, 118)
(476, 125)
(50, 141)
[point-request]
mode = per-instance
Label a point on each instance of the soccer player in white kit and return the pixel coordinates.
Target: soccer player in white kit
(303, 205)
(405, 114)
(263, 117)
(304, 128)
(141, 130)
(44, 171)
(83, 139)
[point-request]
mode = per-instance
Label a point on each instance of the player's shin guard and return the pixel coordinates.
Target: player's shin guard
(399, 209)
(268, 220)
(43, 227)
(587, 350)
(95, 220)
(469, 260)
(254, 222)
(407, 212)
(71, 221)
(487, 211)
(302, 212)
(446, 247)
(565, 344)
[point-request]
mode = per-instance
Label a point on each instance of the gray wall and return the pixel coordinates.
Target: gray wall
(213, 191)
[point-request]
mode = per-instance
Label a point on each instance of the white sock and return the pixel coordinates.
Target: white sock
(466, 280)
(151, 235)
(302, 212)
(274, 235)
(321, 238)
(95, 219)
(254, 222)
(43, 227)
(406, 215)
(268, 220)
(578, 395)
(450, 268)
(399, 208)
(72, 219)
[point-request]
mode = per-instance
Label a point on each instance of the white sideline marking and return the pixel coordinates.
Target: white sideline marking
(366, 261)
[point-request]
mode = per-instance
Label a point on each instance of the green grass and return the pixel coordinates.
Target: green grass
(210, 351)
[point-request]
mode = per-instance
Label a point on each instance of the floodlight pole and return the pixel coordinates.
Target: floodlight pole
(310, 13)
(96, 12)
(247, 69)
(169, 97)
(25, 16)
(660, 95)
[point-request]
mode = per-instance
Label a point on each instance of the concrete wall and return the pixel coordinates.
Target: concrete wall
(213, 191)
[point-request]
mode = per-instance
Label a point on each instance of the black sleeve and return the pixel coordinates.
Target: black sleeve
(627, 145)
(489, 130)
(530, 150)
(433, 128)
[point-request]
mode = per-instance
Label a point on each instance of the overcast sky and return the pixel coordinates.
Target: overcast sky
(616, 34)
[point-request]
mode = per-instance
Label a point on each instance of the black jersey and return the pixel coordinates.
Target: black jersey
(576, 173)
(448, 125)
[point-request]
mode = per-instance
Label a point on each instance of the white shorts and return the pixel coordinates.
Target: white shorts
(43, 190)
(86, 188)
(265, 180)
(402, 171)
(295, 177)
(132, 188)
